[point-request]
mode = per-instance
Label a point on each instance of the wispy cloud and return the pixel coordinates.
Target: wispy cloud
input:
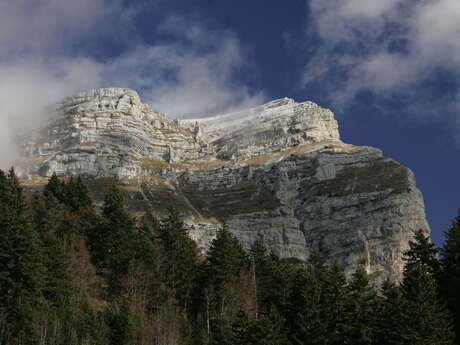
(50, 49)
(387, 47)
(194, 74)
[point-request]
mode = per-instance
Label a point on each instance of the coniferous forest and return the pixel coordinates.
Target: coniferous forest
(71, 273)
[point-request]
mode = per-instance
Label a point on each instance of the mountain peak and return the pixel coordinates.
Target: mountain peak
(277, 171)
(92, 130)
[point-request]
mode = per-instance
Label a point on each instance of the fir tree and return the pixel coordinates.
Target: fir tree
(264, 276)
(76, 194)
(54, 188)
(321, 305)
(334, 296)
(390, 315)
(112, 241)
(21, 273)
(267, 330)
(225, 261)
(120, 324)
(56, 263)
(58, 285)
(422, 254)
(359, 327)
(179, 268)
(424, 319)
(450, 275)
(318, 304)
(225, 258)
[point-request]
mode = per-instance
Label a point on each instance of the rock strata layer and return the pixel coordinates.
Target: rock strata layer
(278, 172)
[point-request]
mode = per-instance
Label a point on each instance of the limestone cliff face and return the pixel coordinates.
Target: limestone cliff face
(278, 172)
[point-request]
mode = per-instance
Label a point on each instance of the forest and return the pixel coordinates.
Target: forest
(72, 273)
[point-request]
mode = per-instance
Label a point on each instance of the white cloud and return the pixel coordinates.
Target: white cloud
(435, 32)
(28, 87)
(383, 46)
(194, 75)
(48, 25)
(45, 54)
(339, 20)
(366, 8)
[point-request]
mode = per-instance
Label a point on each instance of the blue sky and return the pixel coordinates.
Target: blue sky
(389, 69)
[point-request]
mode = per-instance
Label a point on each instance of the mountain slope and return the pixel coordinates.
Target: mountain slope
(278, 171)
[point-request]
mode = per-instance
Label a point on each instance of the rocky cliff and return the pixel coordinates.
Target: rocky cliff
(278, 172)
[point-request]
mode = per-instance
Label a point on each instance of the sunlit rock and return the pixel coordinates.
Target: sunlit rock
(278, 172)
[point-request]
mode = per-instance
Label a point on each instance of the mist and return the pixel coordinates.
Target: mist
(49, 50)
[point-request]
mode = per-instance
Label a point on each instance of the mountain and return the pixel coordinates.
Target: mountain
(278, 172)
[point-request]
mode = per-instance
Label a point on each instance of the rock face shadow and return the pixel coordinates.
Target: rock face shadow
(278, 172)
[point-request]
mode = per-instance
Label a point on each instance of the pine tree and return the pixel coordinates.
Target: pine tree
(264, 277)
(67, 208)
(267, 330)
(54, 188)
(320, 307)
(21, 274)
(180, 265)
(225, 258)
(76, 194)
(360, 310)
(390, 315)
(450, 275)
(422, 254)
(143, 276)
(58, 281)
(111, 242)
(224, 263)
(120, 324)
(281, 284)
(56, 263)
(425, 320)
(334, 296)
(305, 312)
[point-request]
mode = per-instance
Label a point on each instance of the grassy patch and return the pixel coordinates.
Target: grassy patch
(378, 176)
(243, 198)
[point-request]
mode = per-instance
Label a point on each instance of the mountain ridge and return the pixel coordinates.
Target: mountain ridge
(278, 171)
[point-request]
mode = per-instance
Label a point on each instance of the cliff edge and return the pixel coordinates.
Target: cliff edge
(278, 172)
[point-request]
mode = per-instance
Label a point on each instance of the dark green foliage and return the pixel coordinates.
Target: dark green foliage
(422, 254)
(389, 315)
(56, 263)
(317, 307)
(450, 272)
(180, 261)
(359, 324)
(424, 317)
(65, 208)
(112, 242)
(54, 188)
(119, 322)
(225, 259)
(268, 284)
(268, 330)
(304, 310)
(21, 258)
(143, 281)
(73, 194)
(221, 333)
(57, 287)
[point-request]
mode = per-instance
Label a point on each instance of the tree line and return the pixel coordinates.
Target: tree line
(73, 274)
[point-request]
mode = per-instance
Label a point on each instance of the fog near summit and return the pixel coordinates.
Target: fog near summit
(49, 50)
